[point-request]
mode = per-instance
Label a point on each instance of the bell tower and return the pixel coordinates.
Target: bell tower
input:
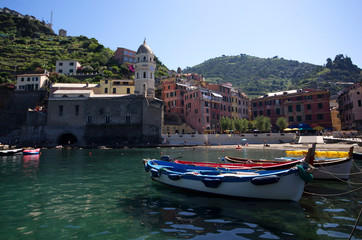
(145, 71)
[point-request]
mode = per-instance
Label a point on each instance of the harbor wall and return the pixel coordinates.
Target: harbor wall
(227, 139)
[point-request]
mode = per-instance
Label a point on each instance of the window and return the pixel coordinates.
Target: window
(144, 74)
(76, 110)
(105, 81)
(196, 111)
(309, 107)
(71, 64)
(320, 116)
(207, 119)
(290, 108)
(261, 112)
(308, 117)
(28, 79)
(105, 90)
(299, 118)
(138, 76)
(108, 119)
(22, 79)
(60, 71)
(60, 64)
(70, 70)
(277, 111)
(60, 110)
(114, 90)
(128, 90)
(320, 105)
(297, 107)
(128, 119)
(268, 112)
(291, 119)
(359, 103)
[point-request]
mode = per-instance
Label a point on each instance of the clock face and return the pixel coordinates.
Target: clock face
(151, 68)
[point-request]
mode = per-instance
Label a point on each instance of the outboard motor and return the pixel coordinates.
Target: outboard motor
(166, 158)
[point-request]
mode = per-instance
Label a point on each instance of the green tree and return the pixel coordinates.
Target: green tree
(281, 123)
(263, 123)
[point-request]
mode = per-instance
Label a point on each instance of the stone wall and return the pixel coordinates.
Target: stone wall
(228, 139)
(14, 108)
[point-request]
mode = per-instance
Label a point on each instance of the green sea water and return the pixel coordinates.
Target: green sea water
(106, 194)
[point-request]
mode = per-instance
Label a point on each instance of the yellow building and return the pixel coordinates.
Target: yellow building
(117, 86)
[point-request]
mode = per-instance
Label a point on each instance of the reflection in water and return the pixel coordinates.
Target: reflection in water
(10, 164)
(189, 215)
(30, 164)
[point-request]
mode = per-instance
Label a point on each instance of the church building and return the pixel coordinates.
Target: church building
(82, 117)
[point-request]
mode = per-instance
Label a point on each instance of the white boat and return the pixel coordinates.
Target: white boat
(285, 184)
(6, 152)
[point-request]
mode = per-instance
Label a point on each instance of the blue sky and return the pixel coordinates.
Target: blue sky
(188, 32)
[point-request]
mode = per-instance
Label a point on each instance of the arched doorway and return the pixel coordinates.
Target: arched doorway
(67, 139)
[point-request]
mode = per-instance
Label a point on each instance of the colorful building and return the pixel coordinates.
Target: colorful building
(202, 110)
(116, 86)
(309, 106)
(124, 55)
(350, 107)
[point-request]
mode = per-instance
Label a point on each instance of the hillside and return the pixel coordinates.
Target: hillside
(28, 45)
(256, 76)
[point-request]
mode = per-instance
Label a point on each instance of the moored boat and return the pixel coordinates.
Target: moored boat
(322, 168)
(357, 155)
(287, 184)
(6, 152)
(250, 165)
(31, 151)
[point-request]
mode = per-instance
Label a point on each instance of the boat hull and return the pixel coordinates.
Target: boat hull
(11, 152)
(332, 170)
(323, 169)
(31, 151)
(280, 185)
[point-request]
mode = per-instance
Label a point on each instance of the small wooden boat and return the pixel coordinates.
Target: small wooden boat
(7, 152)
(31, 151)
(322, 168)
(287, 184)
(260, 166)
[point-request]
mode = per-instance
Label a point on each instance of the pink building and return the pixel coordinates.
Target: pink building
(225, 91)
(202, 110)
(350, 107)
(173, 91)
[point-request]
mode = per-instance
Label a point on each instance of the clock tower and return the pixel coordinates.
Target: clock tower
(145, 71)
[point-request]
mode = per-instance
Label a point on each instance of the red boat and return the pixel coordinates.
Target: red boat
(250, 165)
(255, 164)
(31, 151)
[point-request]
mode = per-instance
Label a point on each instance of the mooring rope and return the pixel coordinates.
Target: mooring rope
(355, 164)
(335, 175)
(332, 195)
(355, 225)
